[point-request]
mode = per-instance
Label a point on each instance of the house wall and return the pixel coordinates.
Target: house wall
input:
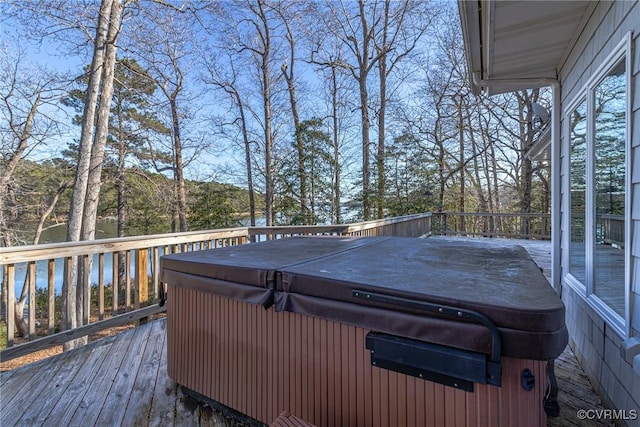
(607, 358)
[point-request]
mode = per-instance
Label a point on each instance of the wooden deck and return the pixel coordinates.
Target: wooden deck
(122, 380)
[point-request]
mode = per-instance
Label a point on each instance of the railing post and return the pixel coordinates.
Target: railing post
(142, 278)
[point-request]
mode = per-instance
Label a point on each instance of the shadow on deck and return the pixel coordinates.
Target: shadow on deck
(122, 380)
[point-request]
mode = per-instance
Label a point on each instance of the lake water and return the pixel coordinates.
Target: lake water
(104, 230)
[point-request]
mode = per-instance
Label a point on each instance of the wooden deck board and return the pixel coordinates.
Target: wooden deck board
(124, 383)
(78, 385)
(123, 380)
(163, 404)
(31, 385)
(101, 388)
(139, 404)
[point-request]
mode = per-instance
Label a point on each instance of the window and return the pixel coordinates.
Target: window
(610, 108)
(577, 191)
(596, 198)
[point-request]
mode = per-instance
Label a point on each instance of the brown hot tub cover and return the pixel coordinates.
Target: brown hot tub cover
(319, 276)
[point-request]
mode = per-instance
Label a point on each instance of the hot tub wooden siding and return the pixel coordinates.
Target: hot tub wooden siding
(262, 362)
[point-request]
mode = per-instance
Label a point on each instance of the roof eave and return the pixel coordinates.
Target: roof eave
(469, 12)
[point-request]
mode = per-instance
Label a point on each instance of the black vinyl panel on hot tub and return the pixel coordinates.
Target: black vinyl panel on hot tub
(503, 283)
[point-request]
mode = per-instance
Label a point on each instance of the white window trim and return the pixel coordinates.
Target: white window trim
(622, 326)
(569, 278)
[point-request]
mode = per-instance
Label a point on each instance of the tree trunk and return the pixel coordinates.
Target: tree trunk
(94, 182)
(336, 147)
(526, 137)
(265, 56)
(268, 154)
(462, 165)
(181, 193)
(76, 210)
(483, 205)
(21, 324)
(486, 162)
(365, 125)
(121, 187)
(364, 112)
(5, 178)
(23, 143)
(247, 154)
(382, 75)
(288, 74)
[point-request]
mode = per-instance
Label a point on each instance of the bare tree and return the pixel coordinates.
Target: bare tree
(404, 23)
(335, 145)
(288, 72)
(247, 27)
(355, 30)
(92, 142)
(262, 52)
(94, 179)
(527, 134)
(27, 127)
(20, 107)
(163, 40)
(226, 79)
(56, 19)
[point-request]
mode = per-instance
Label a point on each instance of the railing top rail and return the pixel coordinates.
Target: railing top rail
(335, 228)
(521, 215)
(297, 229)
(357, 226)
(611, 216)
(15, 254)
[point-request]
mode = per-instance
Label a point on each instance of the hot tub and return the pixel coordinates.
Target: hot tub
(368, 331)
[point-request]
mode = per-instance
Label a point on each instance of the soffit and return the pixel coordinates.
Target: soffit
(507, 40)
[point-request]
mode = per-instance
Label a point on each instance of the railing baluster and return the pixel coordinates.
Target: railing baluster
(156, 272)
(115, 282)
(31, 282)
(51, 300)
(101, 286)
(86, 278)
(127, 275)
(11, 303)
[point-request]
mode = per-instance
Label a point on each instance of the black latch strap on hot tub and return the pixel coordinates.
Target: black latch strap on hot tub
(494, 368)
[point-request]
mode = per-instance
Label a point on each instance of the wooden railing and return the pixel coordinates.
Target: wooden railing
(40, 268)
(506, 225)
(610, 229)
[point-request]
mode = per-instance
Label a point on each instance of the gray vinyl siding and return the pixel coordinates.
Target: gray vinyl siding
(635, 175)
(595, 344)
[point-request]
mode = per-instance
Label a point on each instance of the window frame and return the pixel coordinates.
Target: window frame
(621, 325)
